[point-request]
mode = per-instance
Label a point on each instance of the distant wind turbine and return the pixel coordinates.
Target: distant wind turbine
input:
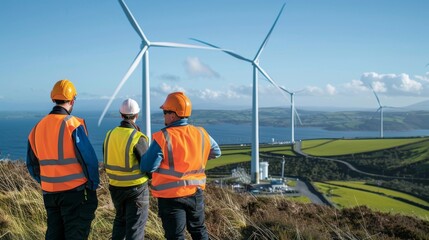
(292, 114)
(380, 108)
(144, 52)
(255, 104)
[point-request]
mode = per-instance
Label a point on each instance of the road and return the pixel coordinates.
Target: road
(298, 150)
(303, 189)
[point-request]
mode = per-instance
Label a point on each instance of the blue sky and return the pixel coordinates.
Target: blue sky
(330, 49)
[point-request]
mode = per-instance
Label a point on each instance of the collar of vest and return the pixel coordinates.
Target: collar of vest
(129, 124)
(59, 110)
(181, 122)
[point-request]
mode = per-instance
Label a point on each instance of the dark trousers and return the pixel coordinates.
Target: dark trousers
(70, 213)
(176, 213)
(132, 206)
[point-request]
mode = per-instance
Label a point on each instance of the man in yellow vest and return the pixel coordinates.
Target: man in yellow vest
(177, 157)
(123, 148)
(61, 158)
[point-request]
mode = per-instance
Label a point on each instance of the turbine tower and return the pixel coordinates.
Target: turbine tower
(255, 97)
(143, 55)
(292, 114)
(380, 108)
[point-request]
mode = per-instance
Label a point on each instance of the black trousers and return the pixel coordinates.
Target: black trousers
(132, 210)
(70, 214)
(178, 213)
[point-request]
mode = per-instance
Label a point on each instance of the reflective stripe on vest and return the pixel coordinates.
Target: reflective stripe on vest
(177, 178)
(57, 174)
(180, 183)
(123, 175)
(170, 170)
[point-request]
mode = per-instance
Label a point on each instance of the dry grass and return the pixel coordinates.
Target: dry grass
(228, 215)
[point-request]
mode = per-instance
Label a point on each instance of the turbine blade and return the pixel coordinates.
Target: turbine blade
(182, 45)
(124, 79)
(378, 100)
(224, 50)
(284, 89)
(297, 116)
(269, 33)
(262, 71)
(375, 94)
(133, 21)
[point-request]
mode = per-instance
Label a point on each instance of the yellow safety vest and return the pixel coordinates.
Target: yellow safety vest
(120, 163)
(186, 150)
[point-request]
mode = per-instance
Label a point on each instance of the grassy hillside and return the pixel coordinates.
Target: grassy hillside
(400, 157)
(351, 194)
(228, 216)
(408, 157)
(336, 147)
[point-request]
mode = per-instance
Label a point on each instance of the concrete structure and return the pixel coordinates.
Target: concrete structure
(263, 168)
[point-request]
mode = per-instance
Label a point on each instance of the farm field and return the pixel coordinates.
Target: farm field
(347, 194)
(345, 197)
(336, 147)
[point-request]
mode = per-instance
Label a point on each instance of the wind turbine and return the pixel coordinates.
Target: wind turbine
(292, 114)
(380, 108)
(143, 54)
(255, 97)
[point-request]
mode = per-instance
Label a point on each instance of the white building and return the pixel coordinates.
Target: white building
(263, 170)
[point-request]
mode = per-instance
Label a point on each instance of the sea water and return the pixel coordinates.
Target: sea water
(14, 130)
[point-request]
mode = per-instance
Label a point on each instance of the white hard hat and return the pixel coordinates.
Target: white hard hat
(129, 106)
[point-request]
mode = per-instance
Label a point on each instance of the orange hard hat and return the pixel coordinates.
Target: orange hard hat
(179, 103)
(63, 90)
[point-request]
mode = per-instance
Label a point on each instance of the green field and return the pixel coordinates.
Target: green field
(336, 147)
(344, 197)
(227, 159)
(381, 190)
(349, 194)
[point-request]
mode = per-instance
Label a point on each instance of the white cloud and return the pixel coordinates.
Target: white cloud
(166, 88)
(408, 85)
(379, 87)
(313, 90)
(424, 78)
(197, 69)
(169, 77)
(396, 84)
(355, 86)
(331, 90)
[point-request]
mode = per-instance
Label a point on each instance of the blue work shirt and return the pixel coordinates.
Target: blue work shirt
(151, 160)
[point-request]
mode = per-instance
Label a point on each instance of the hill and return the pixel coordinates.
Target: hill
(337, 120)
(406, 160)
(228, 215)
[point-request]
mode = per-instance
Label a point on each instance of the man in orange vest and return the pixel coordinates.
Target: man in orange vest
(177, 158)
(123, 147)
(61, 158)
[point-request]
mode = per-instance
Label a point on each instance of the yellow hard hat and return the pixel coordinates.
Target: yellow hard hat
(63, 90)
(179, 103)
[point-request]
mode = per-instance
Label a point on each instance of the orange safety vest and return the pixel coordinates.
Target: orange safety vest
(186, 150)
(52, 144)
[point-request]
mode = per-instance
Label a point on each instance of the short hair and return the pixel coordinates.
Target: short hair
(129, 116)
(61, 101)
